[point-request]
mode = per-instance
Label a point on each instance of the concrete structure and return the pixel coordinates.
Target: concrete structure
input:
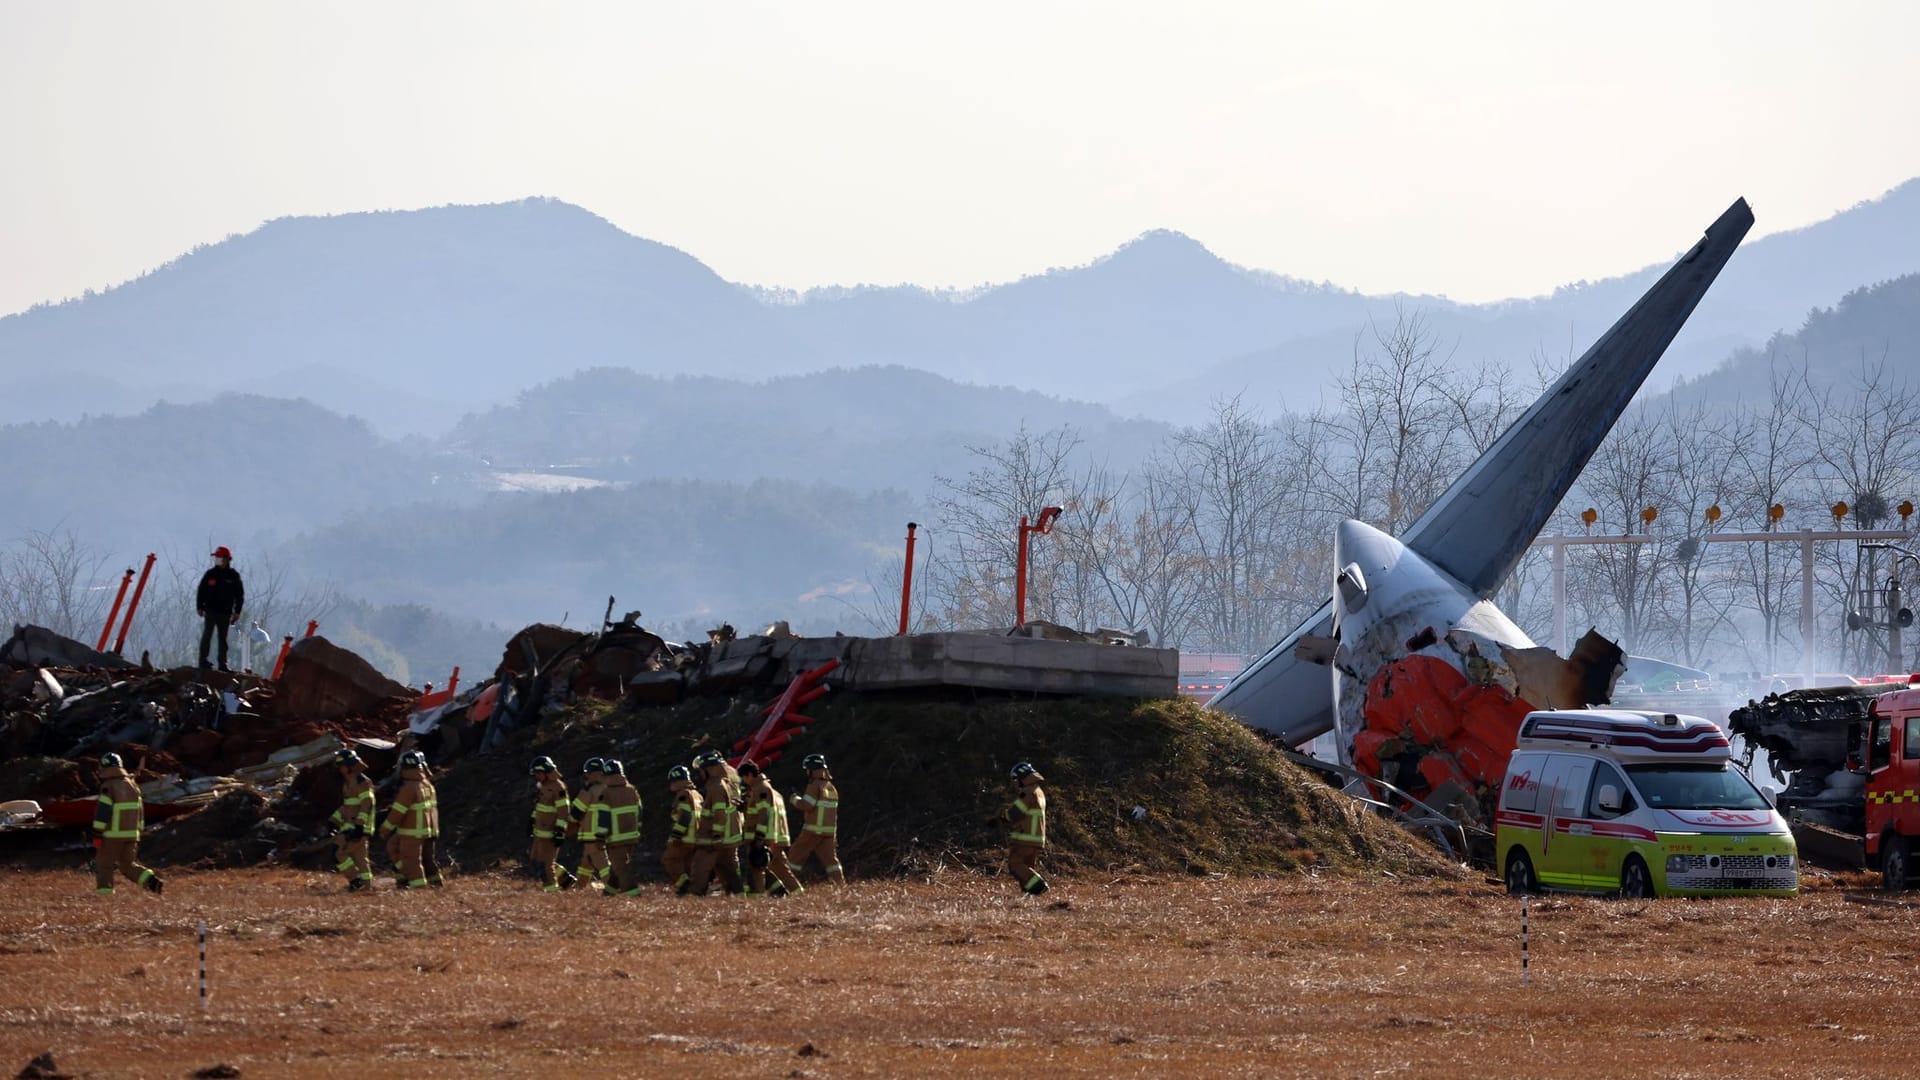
(979, 660)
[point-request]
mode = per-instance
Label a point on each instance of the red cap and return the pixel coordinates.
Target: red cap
(221, 552)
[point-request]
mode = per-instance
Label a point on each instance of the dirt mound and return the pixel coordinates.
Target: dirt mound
(231, 831)
(1154, 786)
(44, 779)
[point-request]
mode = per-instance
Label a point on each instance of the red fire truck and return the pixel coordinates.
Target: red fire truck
(1850, 757)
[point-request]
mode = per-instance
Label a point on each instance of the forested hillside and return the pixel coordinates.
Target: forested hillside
(1872, 329)
(863, 429)
(682, 552)
(412, 319)
(241, 470)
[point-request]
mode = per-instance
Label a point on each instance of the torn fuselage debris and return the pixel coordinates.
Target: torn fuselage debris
(1431, 681)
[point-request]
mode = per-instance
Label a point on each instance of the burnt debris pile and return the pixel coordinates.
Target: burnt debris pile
(236, 770)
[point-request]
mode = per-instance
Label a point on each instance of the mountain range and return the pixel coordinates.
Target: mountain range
(413, 320)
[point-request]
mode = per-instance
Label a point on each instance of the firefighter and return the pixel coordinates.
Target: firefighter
(719, 843)
(767, 836)
(117, 820)
(1026, 822)
(820, 821)
(353, 821)
(586, 825)
(412, 821)
(683, 834)
(430, 848)
(619, 811)
(548, 826)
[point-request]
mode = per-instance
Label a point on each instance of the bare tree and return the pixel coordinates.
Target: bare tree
(1628, 473)
(1133, 544)
(1700, 477)
(877, 609)
(979, 517)
(1393, 430)
(1865, 441)
(53, 579)
(1090, 545)
(1230, 480)
(1769, 455)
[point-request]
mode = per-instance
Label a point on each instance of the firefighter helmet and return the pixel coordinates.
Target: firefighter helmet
(710, 757)
(543, 765)
(613, 768)
(413, 759)
(1023, 770)
(110, 760)
(814, 761)
(679, 772)
(593, 764)
(346, 755)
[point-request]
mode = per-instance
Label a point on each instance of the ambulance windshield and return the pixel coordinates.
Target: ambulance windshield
(1696, 787)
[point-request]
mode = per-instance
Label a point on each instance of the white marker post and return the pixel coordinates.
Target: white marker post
(1523, 942)
(203, 963)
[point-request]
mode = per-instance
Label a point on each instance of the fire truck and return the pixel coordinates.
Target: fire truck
(1850, 759)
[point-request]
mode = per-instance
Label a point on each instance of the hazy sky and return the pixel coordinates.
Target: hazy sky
(1476, 150)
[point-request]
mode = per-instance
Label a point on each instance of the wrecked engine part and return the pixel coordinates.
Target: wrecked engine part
(1812, 738)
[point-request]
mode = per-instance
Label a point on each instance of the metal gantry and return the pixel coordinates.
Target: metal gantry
(1806, 538)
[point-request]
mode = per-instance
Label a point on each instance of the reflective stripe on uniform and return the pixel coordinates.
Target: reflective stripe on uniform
(819, 815)
(623, 824)
(117, 820)
(1036, 822)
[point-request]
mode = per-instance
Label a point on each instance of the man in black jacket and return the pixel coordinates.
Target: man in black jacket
(219, 601)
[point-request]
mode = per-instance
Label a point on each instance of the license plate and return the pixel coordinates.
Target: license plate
(1744, 872)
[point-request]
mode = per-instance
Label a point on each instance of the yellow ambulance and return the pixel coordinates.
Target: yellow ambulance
(1637, 803)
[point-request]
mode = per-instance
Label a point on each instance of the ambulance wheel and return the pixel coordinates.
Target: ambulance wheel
(1635, 882)
(1520, 879)
(1894, 867)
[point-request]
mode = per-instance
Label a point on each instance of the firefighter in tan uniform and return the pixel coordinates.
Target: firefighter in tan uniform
(718, 851)
(430, 849)
(551, 808)
(1026, 822)
(117, 820)
(586, 824)
(819, 821)
(412, 821)
(767, 836)
(619, 810)
(353, 821)
(687, 818)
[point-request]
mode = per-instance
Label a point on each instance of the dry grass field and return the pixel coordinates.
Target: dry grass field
(1130, 977)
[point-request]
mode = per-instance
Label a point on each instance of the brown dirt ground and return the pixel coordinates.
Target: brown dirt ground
(1129, 976)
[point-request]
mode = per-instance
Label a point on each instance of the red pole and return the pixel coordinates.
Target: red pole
(286, 646)
(453, 681)
(313, 627)
(1020, 578)
(1043, 526)
(133, 605)
(113, 613)
(906, 579)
